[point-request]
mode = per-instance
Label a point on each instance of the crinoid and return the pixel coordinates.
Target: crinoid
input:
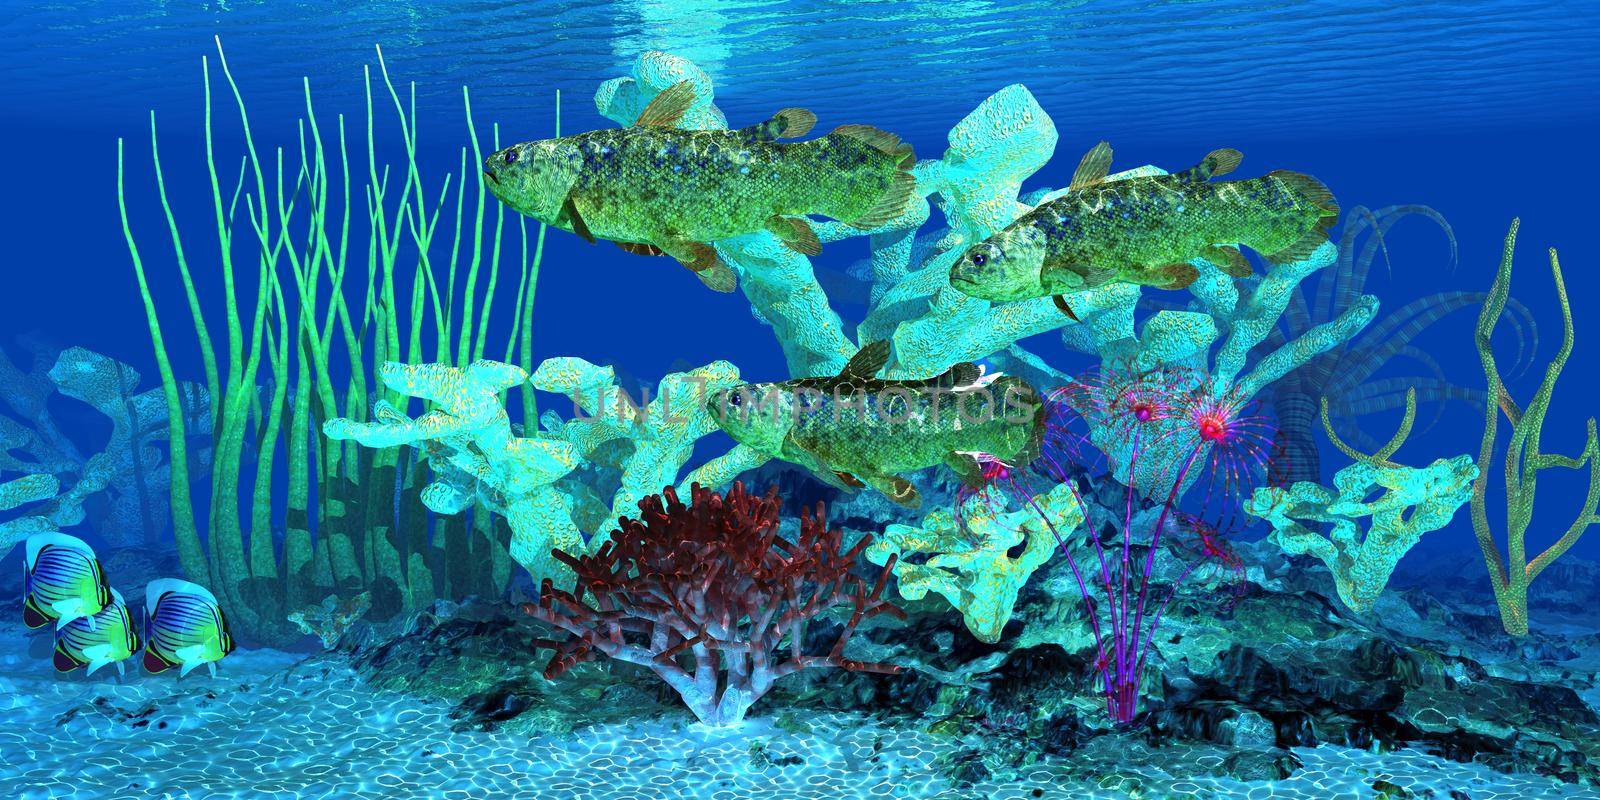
(1175, 426)
(1344, 376)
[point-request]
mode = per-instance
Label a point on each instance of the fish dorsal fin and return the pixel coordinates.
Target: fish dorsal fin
(668, 107)
(788, 123)
(1216, 163)
(569, 212)
(867, 361)
(1093, 168)
(39, 541)
(1223, 161)
(875, 138)
(964, 374)
(157, 589)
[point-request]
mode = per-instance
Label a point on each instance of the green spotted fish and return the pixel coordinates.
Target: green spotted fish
(184, 627)
(110, 639)
(62, 581)
(1146, 230)
(855, 429)
(653, 188)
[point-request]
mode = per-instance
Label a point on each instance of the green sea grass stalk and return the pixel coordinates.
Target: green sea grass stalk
(279, 374)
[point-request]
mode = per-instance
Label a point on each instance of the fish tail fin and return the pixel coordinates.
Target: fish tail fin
(890, 205)
(64, 661)
(1314, 193)
(155, 663)
(32, 615)
(1020, 395)
(897, 195)
(1216, 163)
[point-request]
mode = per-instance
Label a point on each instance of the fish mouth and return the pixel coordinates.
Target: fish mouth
(967, 285)
(489, 176)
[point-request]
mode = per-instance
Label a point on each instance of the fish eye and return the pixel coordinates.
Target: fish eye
(511, 156)
(979, 259)
(736, 399)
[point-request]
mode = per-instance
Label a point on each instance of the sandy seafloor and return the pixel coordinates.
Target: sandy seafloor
(281, 725)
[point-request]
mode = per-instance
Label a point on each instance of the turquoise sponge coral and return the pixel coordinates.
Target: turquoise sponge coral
(973, 567)
(468, 440)
(652, 440)
(468, 435)
(1413, 502)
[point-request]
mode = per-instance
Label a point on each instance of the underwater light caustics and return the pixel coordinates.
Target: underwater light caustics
(711, 598)
(1175, 418)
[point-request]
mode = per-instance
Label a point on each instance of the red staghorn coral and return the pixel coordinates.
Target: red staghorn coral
(711, 599)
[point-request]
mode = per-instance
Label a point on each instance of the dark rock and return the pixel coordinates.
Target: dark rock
(1261, 765)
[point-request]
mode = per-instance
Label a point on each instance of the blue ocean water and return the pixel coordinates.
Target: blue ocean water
(1483, 111)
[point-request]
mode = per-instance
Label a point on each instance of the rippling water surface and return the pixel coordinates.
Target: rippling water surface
(1158, 68)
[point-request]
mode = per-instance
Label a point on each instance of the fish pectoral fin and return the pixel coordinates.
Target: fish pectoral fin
(1061, 303)
(796, 234)
(666, 109)
(702, 259)
(1092, 169)
(896, 488)
(848, 479)
(1177, 275)
(718, 277)
(867, 361)
(639, 248)
(1094, 276)
(569, 214)
(1229, 259)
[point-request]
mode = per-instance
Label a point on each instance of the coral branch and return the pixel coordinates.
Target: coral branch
(709, 597)
(1510, 575)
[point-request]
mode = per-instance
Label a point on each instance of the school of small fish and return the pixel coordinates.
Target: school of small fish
(64, 585)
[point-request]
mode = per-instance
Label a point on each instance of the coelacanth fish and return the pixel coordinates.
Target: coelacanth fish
(1145, 230)
(653, 188)
(855, 430)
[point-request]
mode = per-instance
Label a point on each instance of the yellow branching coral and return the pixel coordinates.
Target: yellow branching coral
(1510, 575)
